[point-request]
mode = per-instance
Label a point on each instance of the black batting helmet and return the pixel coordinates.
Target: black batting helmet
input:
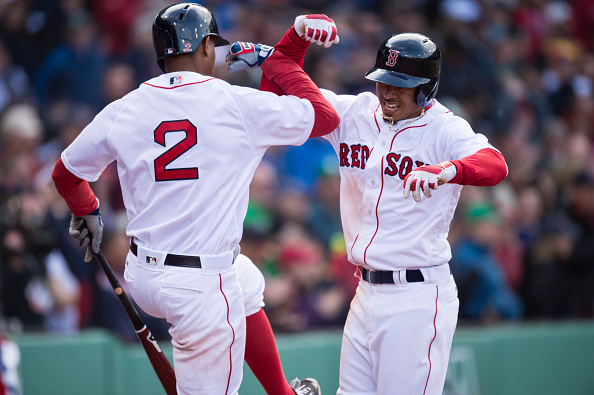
(180, 29)
(408, 60)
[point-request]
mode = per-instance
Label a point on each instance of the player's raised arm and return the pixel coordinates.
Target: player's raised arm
(284, 72)
(307, 29)
(288, 79)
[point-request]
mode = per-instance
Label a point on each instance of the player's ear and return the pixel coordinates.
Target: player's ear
(207, 46)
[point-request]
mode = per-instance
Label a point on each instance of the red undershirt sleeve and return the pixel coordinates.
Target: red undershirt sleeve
(77, 193)
(486, 167)
(284, 72)
(293, 47)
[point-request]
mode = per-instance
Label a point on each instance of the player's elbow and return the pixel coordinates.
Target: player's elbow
(334, 122)
(63, 178)
(326, 121)
(499, 170)
(58, 174)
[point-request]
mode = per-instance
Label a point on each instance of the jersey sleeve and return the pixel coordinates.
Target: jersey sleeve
(476, 160)
(347, 107)
(89, 154)
(77, 193)
(273, 120)
(487, 167)
(459, 140)
(292, 46)
(283, 71)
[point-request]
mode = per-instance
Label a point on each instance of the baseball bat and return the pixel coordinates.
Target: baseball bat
(155, 355)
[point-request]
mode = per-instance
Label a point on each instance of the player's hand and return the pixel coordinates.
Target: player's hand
(88, 231)
(426, 178)
(245, 55)
(317, 28)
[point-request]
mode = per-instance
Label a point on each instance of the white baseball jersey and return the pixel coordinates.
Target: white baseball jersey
(186, 147)
(397, 337)
(383, 230)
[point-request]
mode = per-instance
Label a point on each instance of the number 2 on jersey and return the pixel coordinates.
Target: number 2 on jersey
(161, 172)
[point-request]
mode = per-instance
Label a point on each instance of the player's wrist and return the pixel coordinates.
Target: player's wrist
(449, 171)
(264, 51)
(295, 38)
(299, 25)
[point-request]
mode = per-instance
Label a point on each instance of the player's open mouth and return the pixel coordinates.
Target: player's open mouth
(390, 107)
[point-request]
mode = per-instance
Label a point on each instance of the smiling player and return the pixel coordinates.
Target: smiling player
(399, 331)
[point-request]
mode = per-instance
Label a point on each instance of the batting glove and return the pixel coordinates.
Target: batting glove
(88, 231)
(427, 177)
(317, 28)
(245, 55)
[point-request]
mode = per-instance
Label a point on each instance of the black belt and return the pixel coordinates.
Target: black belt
(172, 259)
(387, 277)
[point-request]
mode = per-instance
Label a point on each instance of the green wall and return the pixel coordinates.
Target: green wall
(541, 358)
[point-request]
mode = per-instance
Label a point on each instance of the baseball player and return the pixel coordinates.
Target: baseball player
(186, 146)
(398, 142)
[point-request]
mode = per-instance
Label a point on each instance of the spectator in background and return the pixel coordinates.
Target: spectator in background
(21, 133)
(30, 29)
(14, 81)
(23, 293)
(304, 166)
(583, 22)
(115, 20)
(309, 298)
(342, 270)
(547, 283)
(483, 291)
(64, 289)
(74, 69)
(293, 207)
(323, 220)
(141, 53)
(580, 262)
(118, 81)
(263, 193)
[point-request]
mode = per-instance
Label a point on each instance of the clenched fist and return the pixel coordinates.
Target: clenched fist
(246, 55)
(317, 28)
(88, 231)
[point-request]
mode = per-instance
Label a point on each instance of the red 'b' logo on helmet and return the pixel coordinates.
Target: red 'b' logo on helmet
(392, 57)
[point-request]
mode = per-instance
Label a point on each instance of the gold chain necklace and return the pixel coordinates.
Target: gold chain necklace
(391, 120)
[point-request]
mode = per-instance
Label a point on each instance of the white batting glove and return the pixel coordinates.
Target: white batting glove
(246, 55)
(426, 178)
(88, 231)
(317, 28)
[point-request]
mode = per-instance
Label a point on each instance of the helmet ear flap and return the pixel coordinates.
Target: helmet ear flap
(421, 96)
(427, 92)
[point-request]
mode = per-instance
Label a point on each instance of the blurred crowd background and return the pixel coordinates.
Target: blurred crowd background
(520, 71)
